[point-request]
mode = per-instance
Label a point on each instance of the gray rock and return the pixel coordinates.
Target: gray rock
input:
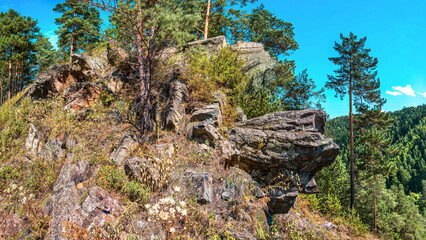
(10, 225)
(328, 226)
(258, 64)
(285, 148)
(202, 185)
(281, 200)
(241, 117)
(51, 82)
(164, 150)
(115, 81)
(97, 207)
(34, 141)
(54, 150)
(127, 144)
(85, 68)
(211, 113)
(178, 94)
(204, 123)
(65, 197)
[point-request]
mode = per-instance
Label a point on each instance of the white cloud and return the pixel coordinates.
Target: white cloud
(407, 90)
(424, 94)
(394, 93)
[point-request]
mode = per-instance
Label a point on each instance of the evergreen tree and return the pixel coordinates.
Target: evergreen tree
(356, 77)
(79, 26)
(45, 53)
(148, 27)
(374, 151)
(299, 93)
(16, 48)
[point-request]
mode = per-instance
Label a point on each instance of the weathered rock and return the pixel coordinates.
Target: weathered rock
(211, 44)
(127, 144)
(34, 143)
(115, 81)
(242, 236)
(164, 150)
(299, 223)
(116, 56)
(81, 95)
(211, 113)
(328, 226)
(85, 68)
(202, 185)
(97, 207)
(281, 200)
(258, 63)
(10, 225)
(178, 94)
(241, 117)
(51, 82)
(65, 197)
(204, 123)
(285, 148)
(54, 150)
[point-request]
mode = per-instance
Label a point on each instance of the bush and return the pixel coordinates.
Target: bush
(137, 192)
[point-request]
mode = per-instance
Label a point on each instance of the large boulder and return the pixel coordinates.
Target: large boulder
(86, 68)
(283, 149)
(51, 82)
(204, 123)
(258, 63)
(75, 205)
(34, 141)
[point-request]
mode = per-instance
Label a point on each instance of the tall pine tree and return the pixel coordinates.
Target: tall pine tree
(356, 77)
(79, 26)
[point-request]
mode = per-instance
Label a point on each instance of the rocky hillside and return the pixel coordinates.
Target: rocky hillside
(73, 166)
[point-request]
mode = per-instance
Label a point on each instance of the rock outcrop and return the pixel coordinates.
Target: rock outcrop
(80, 95)
(175, 111)
(127, 144)
(70, 207)
(51, 82)
(285, 149)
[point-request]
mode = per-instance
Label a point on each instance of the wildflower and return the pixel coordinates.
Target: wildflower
(184, 212)
(182, 203)
(172, 230)
(163, 215)
(147, 205)
(177, 189)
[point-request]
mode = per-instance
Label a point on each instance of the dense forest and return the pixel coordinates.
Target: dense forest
(401, 191)
(378, 181)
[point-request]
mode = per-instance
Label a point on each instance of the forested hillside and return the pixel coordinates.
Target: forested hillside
(401, 193)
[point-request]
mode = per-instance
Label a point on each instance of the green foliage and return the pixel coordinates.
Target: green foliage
(17, 61)
(398, 206)
(79, 26)
(137, 192)
(112, 178)
(45, 53)
(209, 73)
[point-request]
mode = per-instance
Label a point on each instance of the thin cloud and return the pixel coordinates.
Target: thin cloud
(424, 94)
(407, 90)
(394, 93)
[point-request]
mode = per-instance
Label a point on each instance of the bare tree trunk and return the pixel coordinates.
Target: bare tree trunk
(206, 26)
(351, 147)
(375, 204)
(9, 94)
(71, 48)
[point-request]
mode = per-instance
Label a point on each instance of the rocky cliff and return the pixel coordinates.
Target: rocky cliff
(192, 179)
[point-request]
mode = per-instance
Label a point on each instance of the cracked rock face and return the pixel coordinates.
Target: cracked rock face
(285, 149)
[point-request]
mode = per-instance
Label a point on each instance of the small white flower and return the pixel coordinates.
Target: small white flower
(172, 211)
(182, 203)
(177, 189)
(184, 212)
(172, 230)
(147, 205)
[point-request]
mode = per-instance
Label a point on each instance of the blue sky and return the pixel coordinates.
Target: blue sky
(395, 30)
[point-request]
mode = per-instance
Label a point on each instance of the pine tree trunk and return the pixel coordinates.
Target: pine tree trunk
(9, 94)
(206, 27)
(351, 147)
(71, 48)
(375, 204)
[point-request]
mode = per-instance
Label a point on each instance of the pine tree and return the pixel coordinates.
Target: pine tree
(148, 27)
(356, 77)
(299, 93)
(45, 53)
(374, 151)
(16, 47)
(79, 26)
